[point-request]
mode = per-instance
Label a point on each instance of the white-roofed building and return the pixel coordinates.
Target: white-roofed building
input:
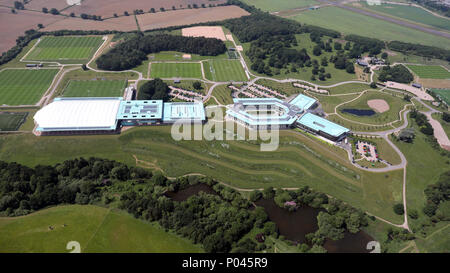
(78, 115)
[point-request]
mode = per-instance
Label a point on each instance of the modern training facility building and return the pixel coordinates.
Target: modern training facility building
(272, 113)
(108, 115)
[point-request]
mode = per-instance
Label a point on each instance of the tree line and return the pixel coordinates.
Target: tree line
(132, 52)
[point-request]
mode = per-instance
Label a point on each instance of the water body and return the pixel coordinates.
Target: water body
(296, 224)
(184, 194)
(359, 112)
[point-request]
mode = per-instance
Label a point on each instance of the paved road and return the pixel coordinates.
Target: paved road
(389, 19)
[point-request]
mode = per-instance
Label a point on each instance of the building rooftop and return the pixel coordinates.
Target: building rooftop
(303, 102)
(185, 111)
(320, 124)
(67, 114)
(140, 109)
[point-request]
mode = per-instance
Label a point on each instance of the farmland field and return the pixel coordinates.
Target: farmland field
(270, 5)
(95, 88)
(10, 121)
(65, 48)
(224, 70)
(344, 21)
(24, 86)
(176, 70)
(97, 229)
(443, 93)
(430, 71)
(411, 13)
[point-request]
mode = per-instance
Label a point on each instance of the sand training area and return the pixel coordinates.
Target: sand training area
(380, 106)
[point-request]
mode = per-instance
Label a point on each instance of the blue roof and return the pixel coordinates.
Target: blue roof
(140, 109)
(193, 111)
(320, 124)
(303, 102)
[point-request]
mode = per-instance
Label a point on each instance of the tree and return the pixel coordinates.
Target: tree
(72, 14)
(373, 85)
(45, 10)
(154, 90)
(270, 228)
(18, 5)
(350, 68)
(446, 116)
(384, 55)
(54, 11)
(407, 135)
(413, 213)
(126, 13)
(84, 67)
(197, 85)
(40, 25)
(152, 10)
(398, 209)
(317, 50)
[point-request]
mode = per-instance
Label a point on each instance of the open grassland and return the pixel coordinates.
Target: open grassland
(430, 71)
(396, 104)
(224, 70)
(24, 86)
(410, 13)
(271, 6)
(443, 93)
(348, 88)
(300, 160)
(349, 22)
(97, 229)
(436, 242)
(95, 88)
(223, 95)
(189, 85)
(176, 70)
(65, 48)
(329, 103)
(11, 121)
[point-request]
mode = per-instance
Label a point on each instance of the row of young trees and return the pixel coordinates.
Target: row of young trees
(132, 52)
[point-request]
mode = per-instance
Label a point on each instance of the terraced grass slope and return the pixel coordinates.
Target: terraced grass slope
(95, 88)
(97, 229)
(24, 86)
(430, 71)
(176, 70)
(65, 48)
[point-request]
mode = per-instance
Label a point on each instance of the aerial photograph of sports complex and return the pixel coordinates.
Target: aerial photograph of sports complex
(225, 126)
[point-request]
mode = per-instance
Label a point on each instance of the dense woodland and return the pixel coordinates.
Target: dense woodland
(397, 73)
(132, 52)
(154, 90)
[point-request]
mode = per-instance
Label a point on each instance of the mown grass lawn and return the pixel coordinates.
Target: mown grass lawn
(224, 70)
(430, 71)
(176, 70)
(95, 88)
(11, 121)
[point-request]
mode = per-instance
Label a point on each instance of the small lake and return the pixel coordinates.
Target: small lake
(296, 224)
(359, 112)
(184, 194)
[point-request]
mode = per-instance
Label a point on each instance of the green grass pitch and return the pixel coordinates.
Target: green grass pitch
(225, 70)
(10, 121)
(95, 88)
(176, 70)
(443, 93)
(24, 86)
(63, 48)
(430, 71)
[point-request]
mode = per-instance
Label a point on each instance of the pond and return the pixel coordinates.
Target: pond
(296, 224)
(184, 194)
(359, 112)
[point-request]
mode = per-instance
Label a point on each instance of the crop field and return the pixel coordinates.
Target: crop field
(176, 70)
(411, 13)
(396, 104)
(10, 121)
(344, 21)
(443, 93)
(299, 160)
(270, 5)
(224, 70)
(65, 48)
(24, 86)
(430, 71)
(95, 88)
(97, 229)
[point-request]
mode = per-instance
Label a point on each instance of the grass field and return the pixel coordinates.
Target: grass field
(270, 5)
(349, 22)
(65, 48)
(95, 88)
(410, 13)
(97, 229)
(443, 93)
(24, 86)
(430, 71)
(224, 70)
(11, 121)
(223, 94)
(176, 70)
(300, 160)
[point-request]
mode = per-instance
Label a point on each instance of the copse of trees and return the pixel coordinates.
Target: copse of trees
(365, 44)
(397, 73)
(422, 122)
(154, 90)
(132, 52)
(438, 199)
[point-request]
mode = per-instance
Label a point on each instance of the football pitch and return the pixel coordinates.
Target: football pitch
(224, 70)
(11, 121)
(65, 48)
(430, 71)
(24, 86)
(176, 70)
(95, 88)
